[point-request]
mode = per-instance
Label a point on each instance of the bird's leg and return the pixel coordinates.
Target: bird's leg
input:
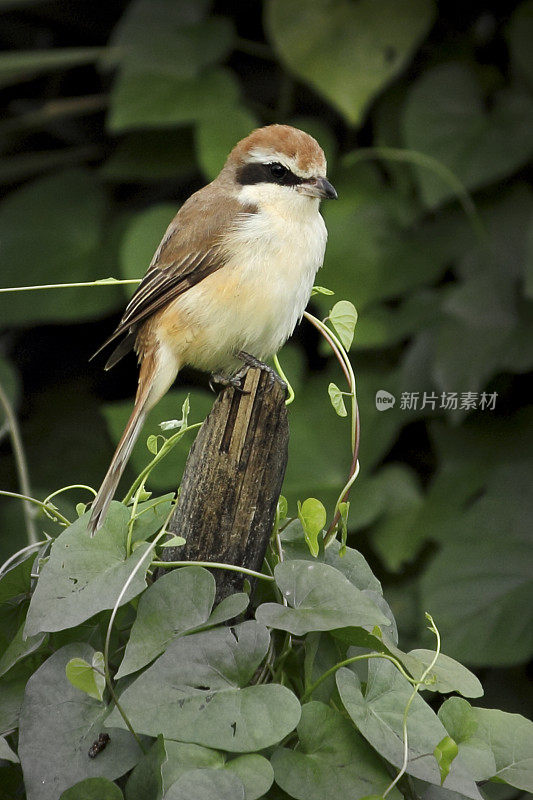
(252, 361)
(224, 380)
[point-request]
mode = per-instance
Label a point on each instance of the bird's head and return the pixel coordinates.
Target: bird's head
(279, 166)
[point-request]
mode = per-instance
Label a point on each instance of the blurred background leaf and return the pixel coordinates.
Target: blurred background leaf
(425, 113)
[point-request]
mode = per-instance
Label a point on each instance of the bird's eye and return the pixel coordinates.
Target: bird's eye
(278, 171)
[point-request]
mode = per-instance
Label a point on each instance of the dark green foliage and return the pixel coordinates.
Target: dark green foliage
(227, 705)
(425, 113)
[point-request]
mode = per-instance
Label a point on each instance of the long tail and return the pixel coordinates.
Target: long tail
(116, 468)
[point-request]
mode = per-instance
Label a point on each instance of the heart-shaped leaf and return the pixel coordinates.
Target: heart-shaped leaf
(169, 37)
(84, 576)
(312, 515)
(445, 118)
(378, 714)
(85, 677)
(343, 317)
(320, 599)
(332, 759)
(337, 400)
(445, 752)
(176, 603)
(492, 743)
(348, 51)
(155, 100)
(58, 726)
(197, 692)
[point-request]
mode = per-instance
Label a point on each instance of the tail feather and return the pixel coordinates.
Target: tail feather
(116, 468)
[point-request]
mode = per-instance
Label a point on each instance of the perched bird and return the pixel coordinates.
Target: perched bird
(231, 277)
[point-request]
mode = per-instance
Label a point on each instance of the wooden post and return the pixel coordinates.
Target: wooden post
(232, 481)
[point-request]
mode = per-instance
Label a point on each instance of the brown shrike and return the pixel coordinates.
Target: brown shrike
(231, 277)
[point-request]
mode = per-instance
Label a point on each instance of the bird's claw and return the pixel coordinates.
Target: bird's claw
(223, 380)
(252, 361)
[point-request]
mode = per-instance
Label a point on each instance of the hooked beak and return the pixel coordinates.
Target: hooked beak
(318, 187)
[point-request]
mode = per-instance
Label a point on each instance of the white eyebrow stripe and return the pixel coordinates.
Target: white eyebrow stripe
(265, 155)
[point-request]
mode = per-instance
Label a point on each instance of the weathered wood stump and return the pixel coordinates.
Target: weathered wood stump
(232, 481)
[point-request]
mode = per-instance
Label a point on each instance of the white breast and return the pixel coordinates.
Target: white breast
(254, 302)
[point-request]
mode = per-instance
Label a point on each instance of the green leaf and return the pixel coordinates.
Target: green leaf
(58, 725)
(343, 317)
(19, 648)
(352, 564)
(445, 752)
(11, 697)
(348, 51)
(146, 780)
(320, 599)
(282, 508)
(82, 676)
(337, 400)
(447, 675)
(371, 218)
(24, 65)
(312, 515)
(197, 692)
(85, 575)
(332, 759)
(52, 232)
(141, 239)
(174, 541)
(321, 290)
(479, 594)
(206, 784)
(180, 601)
(183, 757)
(492, 743)
(322, 652)
(151, 516)
(151, 444)
(255, 772)
(148, 99)
(218, 134)
(378, 714)
(169, 37)
(445, 118)
(93, 789)
(6, 753)
(166, 474)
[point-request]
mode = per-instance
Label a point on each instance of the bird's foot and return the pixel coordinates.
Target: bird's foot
(252, 361)
(223, 380)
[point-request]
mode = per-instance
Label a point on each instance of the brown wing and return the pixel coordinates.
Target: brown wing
(188, 253)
